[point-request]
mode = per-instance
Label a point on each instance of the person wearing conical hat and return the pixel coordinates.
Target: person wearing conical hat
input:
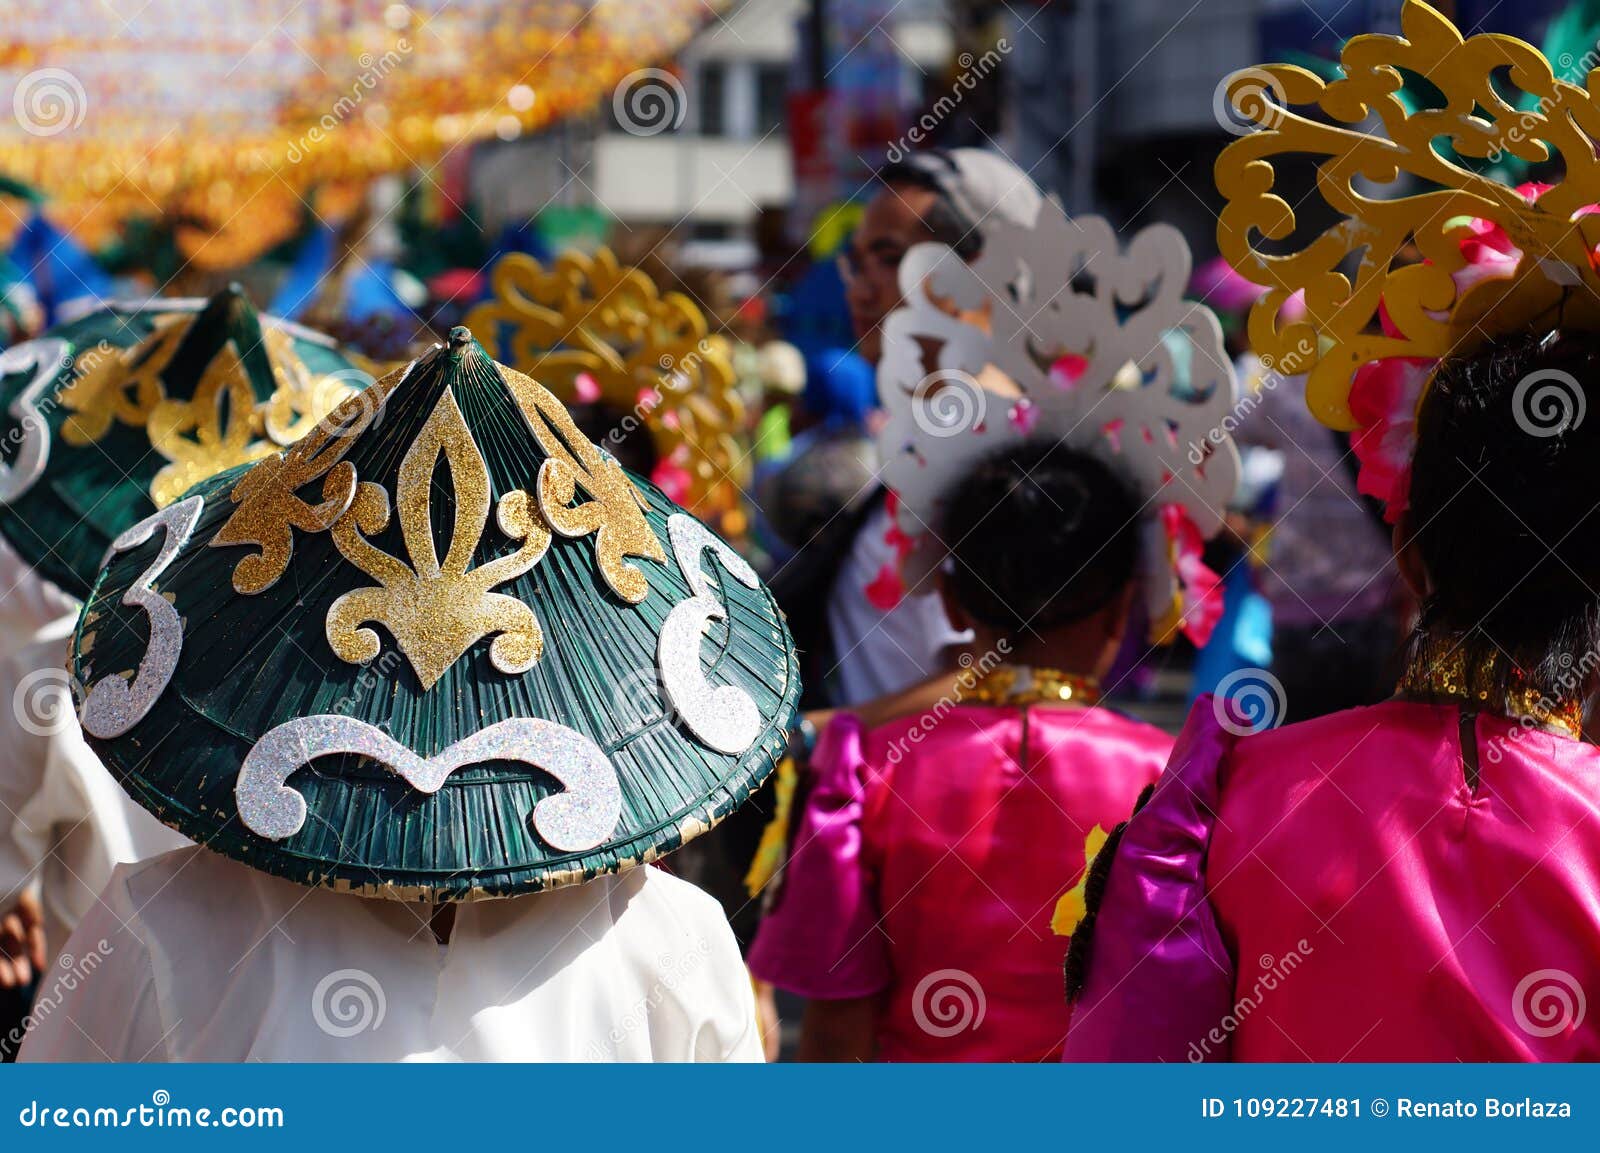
(440, 651)
(931, 865)
(1418, 880)
(109, 418)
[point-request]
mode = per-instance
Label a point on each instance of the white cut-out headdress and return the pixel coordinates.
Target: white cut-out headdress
(1056, 332)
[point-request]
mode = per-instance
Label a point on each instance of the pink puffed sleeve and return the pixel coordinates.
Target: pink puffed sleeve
(821, 938)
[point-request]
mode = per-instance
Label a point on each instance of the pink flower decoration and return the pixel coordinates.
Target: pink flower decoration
(672, 479)
(1199, 589)
(1383, 398)
(586, 388)
(1024, 415)
(886, 589)
(1066, 371)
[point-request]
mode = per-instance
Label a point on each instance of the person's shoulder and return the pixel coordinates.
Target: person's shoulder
(1303, 741)
(1104, 720)
(188, 878)
(162, 870)
(672, 896)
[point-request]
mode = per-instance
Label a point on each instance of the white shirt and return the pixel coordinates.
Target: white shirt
(199, 958)
(28, 602)
(65, 822)
(880, 653)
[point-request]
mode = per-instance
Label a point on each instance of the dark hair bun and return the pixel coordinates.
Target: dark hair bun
(1040, 537)
(1504, 490)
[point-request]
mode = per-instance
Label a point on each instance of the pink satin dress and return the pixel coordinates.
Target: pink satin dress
(1338, 890)
(928, 862)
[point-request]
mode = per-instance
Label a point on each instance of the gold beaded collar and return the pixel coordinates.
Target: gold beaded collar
(1025, 685)
(1447, 680)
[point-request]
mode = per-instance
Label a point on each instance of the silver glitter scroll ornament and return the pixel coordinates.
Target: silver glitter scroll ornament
(582, 816)
(721, 716)
(45, 359)
(115, 705)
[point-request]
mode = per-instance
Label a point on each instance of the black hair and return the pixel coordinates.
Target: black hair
(1502, 507)
(944, 221)
(1040, 536)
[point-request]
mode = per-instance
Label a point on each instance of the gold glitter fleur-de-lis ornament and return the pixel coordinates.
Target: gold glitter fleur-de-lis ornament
(379, 464)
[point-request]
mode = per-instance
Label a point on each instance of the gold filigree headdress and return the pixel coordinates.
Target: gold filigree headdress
(1404, 153)
(592, 329)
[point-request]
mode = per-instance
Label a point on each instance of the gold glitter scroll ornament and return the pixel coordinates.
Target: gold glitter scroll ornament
(647, 352)
(1423, 199)
(120, 384)
(616, 514)
(434, 610)
(270, 508)
(301, 397)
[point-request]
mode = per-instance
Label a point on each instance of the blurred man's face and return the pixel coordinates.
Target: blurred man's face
(890, 225)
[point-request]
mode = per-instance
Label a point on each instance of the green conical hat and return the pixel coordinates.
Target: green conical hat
(111, 417)
(444, 647)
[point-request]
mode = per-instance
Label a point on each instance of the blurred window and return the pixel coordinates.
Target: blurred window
(772, 97)
(713, 96)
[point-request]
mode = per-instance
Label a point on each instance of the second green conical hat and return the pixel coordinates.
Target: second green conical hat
(112, 416)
